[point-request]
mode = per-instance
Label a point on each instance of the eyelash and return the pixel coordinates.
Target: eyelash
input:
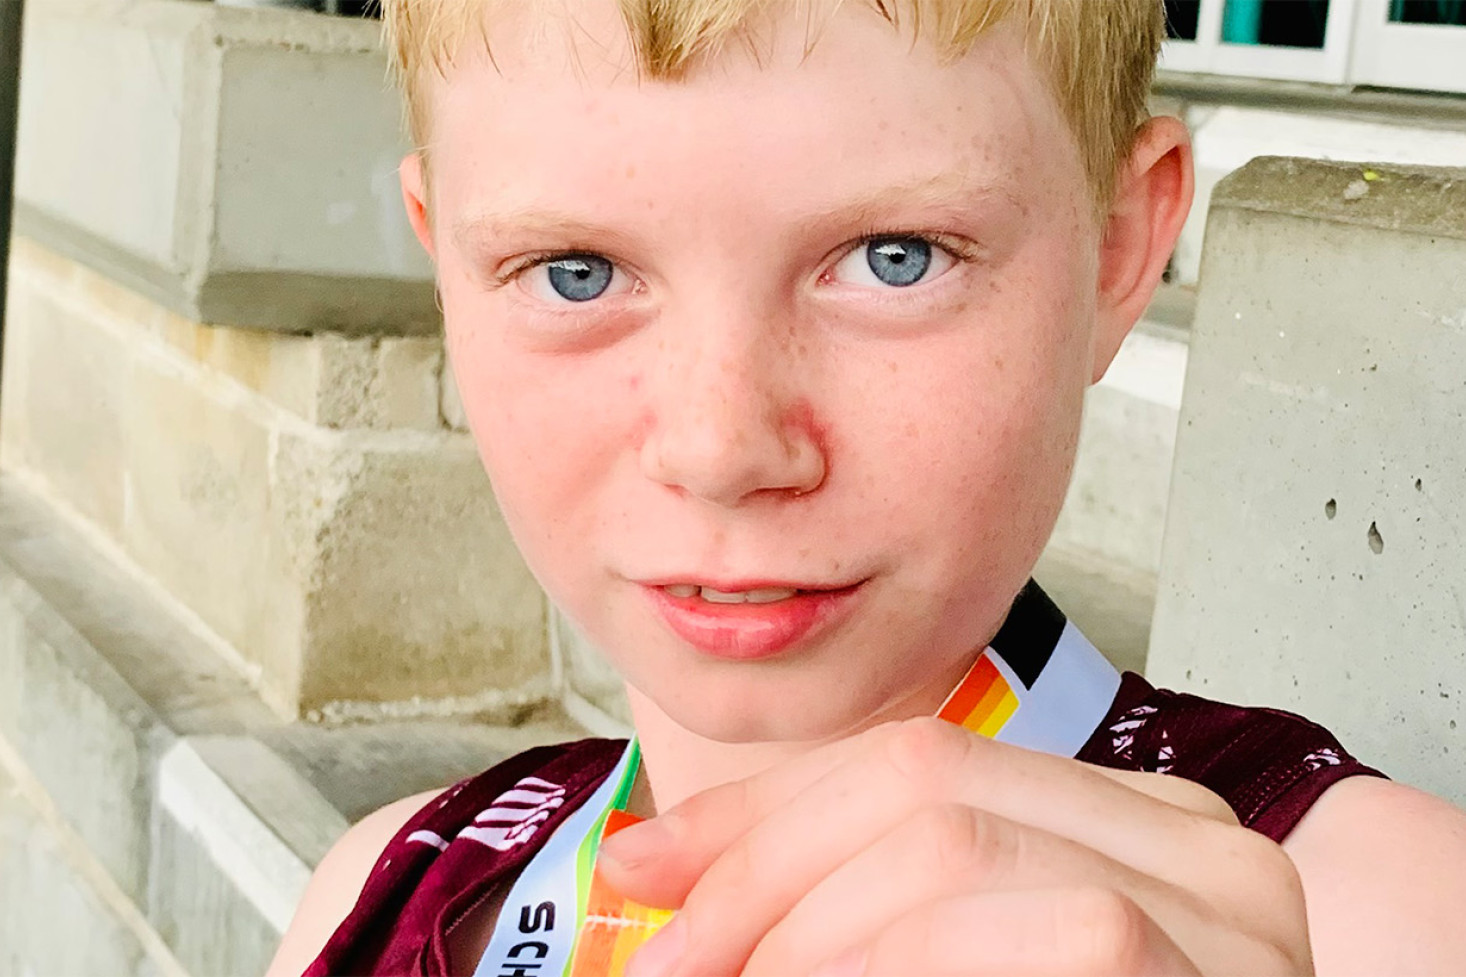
(963, 252)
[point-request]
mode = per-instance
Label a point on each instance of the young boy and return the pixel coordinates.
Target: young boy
(773, 322)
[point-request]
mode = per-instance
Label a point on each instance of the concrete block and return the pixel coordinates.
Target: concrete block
(417, 590)
(409, 382)
(51, 920)
(274, 792)
(1313, 555)
(202, 515)
(128, 73)
(126, 628)
(212, 173)
(299, 495)
(1101, 562)
(286, 369)
(383, 383)
(331, 204)
(345, 568)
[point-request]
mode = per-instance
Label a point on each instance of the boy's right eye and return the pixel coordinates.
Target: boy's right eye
(578, 277)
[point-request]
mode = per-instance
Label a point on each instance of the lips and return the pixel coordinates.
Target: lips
(748, 621)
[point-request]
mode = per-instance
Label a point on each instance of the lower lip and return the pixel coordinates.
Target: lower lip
(749, 632)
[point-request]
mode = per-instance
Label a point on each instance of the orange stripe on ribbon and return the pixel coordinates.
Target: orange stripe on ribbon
(983, 702)
(614, 925)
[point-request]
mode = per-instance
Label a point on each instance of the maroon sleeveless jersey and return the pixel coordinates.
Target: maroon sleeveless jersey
(1270, 766)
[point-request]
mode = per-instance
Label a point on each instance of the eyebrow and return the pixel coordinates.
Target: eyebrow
(475, 232)
(943, 190)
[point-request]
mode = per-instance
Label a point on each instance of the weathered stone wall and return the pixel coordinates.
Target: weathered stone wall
(302, 495)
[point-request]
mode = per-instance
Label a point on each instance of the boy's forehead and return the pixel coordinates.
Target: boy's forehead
(560, 78)
(858, 111)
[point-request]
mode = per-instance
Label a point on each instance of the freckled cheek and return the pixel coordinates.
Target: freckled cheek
(980, 427)
(551, 438)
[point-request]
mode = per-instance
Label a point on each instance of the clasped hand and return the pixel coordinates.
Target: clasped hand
(918, 848)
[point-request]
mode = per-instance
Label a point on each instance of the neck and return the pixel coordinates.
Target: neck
(678, 763)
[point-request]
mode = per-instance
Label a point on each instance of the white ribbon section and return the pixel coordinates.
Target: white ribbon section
(1068, 701)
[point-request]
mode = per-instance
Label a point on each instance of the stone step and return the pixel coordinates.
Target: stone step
(195, 813)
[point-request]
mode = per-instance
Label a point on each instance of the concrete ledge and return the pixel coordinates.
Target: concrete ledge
(177, 184)
(1425, 200)
(222, 862)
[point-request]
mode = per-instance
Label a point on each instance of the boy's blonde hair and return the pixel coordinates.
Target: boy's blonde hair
(1098, 55)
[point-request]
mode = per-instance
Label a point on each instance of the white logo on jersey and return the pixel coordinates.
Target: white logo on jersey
(515, 815)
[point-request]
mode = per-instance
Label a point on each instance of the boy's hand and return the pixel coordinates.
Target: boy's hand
(920, 848)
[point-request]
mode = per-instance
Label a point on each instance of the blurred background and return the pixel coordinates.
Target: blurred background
(252, 581)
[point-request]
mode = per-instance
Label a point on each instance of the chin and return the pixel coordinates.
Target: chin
(768, 714)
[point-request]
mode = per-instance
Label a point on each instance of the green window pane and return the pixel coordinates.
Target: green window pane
(1451, 13)
(1277, 23)
(1181, 19)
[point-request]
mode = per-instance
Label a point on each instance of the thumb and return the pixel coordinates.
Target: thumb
(657, 862)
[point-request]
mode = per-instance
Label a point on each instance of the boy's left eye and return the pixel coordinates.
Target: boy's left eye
(895, 261)
(580, 277)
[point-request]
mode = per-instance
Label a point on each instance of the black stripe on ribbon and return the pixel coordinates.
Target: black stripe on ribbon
(1027, 639)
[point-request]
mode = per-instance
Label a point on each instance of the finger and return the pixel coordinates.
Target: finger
(1141, 821)
(1179, 792)
(763, 873)
(1083, 932)
(657, 861)
(946, 852)
(939, 853)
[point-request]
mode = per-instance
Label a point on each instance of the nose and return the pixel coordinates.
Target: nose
(729, 422)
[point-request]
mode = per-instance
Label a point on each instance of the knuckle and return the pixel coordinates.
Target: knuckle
(926, 751)
(1202, 800)
(1107, 931)
(1271, 868)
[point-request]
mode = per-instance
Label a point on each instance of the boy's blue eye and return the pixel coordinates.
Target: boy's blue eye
(898, 261)
(893, 261)
(579, 277)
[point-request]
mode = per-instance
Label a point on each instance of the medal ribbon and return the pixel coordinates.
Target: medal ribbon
(1040, 685)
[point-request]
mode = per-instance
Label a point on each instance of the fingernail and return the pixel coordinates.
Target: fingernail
(659, 955)
(633, 846)
(851, 963)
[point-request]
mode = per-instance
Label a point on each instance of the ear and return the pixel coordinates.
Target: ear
(414, 197)
(1152, 197)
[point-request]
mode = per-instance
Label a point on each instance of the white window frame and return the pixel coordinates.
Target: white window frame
(1329, 64)
(1424, 56)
